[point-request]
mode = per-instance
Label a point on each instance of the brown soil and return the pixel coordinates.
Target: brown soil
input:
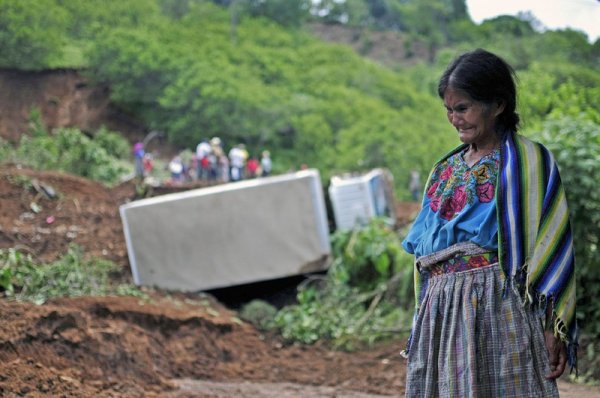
(64, 98)
(385, 47)
(172, 345)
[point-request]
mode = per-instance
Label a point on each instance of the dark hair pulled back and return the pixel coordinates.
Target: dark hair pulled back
(486, 78)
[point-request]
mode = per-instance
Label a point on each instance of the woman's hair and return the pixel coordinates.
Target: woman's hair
(486, 78)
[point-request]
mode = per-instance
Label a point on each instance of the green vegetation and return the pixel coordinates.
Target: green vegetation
(260, 313)
(366, 295)
(24, 278)
(317, 103)
(32, 33)
(103, 158)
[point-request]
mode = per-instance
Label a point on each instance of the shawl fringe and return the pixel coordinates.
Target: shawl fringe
(540, 302)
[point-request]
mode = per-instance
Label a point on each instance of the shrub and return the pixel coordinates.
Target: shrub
(72, 151)
(24, 278)
(113, 143)
(259, 313)
(366, 296)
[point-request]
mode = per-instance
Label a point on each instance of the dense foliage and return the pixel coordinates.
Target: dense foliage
(193, 71)
(317, 104)
(366, 295)
(102, 158)
(32, 33)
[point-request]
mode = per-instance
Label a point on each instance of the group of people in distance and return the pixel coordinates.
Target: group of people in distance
(210, 163)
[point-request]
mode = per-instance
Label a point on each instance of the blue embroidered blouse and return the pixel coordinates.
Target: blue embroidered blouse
(459, 206)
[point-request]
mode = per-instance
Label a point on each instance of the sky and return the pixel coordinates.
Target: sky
(581, 15)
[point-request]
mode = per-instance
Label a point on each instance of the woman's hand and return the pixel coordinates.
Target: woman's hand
(557, 352)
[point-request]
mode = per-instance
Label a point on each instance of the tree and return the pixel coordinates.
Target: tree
(428, 20)
(32, 33)
(284, 12)
(566, 44)
(506, 25)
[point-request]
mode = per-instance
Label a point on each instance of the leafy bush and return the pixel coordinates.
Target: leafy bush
(259, 313)
(342, 316)
(366, 295)
(72, 151)
(113, 143)
(369, 256)
(72, 275)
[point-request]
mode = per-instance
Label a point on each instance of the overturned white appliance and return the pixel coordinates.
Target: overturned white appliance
(229, 234)
(356, 199)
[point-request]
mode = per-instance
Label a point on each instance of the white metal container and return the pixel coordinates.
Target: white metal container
(357, 199)
(229, 234)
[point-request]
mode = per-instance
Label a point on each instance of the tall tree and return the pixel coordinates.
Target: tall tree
(32, 33)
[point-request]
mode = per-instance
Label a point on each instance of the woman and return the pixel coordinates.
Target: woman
(493, 250)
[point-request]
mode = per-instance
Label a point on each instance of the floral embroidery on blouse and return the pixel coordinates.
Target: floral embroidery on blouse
(453, 184)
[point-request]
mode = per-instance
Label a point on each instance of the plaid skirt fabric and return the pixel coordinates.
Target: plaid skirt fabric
(470, 341)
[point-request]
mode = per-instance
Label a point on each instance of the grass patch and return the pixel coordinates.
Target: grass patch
(25, 279)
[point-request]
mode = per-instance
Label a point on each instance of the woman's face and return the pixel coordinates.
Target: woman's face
(474, 121)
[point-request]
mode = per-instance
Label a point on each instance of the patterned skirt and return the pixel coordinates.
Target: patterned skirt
(470, 341)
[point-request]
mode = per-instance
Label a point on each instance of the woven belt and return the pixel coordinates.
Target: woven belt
(463, 263)
(460, 257)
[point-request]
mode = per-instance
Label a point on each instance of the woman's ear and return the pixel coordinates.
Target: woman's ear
(499, 106)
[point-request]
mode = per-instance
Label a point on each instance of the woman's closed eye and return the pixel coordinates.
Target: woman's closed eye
(458, 109)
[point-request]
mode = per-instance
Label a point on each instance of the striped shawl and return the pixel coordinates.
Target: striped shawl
(535, 244)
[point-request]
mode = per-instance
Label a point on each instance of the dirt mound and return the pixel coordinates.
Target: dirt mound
(115, 344)
(122, 347)
(44, 212)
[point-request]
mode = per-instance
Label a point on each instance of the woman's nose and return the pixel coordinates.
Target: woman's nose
(454, 119)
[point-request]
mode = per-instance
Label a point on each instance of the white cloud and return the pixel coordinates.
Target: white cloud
(583, 15)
